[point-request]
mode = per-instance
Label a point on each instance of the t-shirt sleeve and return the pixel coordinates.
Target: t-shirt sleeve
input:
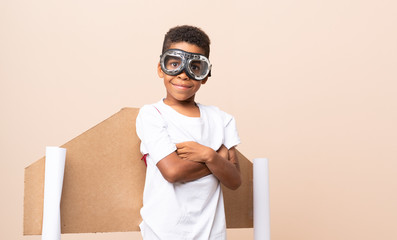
(152, 130)
(231, 134)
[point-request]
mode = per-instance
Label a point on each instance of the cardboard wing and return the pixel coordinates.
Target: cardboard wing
(104, 180)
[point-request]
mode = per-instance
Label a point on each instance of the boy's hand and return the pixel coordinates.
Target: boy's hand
(193, 151)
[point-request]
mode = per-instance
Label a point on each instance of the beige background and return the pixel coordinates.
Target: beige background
(311, 83)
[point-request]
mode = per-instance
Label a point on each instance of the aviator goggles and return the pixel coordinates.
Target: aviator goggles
(175, 61)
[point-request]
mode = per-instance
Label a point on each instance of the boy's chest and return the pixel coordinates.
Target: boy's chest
(208, 132)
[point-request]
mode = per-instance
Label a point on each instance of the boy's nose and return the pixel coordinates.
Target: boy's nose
(183, 76)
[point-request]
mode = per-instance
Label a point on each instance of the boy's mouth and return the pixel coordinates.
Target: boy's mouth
(181, 86)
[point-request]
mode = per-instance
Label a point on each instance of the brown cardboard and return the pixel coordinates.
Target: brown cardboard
(239, 203)
(104, 180)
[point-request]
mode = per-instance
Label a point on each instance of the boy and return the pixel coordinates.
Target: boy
(189, 147)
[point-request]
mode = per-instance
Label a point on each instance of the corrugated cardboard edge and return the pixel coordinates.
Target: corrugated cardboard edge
(114, 144)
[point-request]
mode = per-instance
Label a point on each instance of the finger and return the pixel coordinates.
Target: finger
(181, 153)
(181, 150)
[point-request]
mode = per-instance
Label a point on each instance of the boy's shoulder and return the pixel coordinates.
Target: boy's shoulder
(209, 108)
(149, 109)
(212, 109)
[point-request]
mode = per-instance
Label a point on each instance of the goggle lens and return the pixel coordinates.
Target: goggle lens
(198, 68)
(172, 63)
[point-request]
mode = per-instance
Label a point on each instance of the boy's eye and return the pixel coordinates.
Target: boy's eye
(196, 67)
(172, 63)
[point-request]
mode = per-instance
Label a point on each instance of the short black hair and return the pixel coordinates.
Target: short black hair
(189, 34)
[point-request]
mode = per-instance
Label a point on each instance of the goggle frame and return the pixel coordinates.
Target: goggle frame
(187, 58)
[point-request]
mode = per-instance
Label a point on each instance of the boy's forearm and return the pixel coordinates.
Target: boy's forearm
(174, 169)
(189, 171)
(227, 170)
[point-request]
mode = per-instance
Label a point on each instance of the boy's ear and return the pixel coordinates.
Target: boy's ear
(204, 80)
(159, 71)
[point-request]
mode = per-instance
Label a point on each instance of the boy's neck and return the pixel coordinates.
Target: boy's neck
(188, 108)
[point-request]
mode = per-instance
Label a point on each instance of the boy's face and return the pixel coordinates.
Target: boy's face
(181, 88)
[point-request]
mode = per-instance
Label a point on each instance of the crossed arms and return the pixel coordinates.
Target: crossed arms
(192, 160)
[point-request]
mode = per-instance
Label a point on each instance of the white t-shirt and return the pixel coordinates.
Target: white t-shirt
(189, 210)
